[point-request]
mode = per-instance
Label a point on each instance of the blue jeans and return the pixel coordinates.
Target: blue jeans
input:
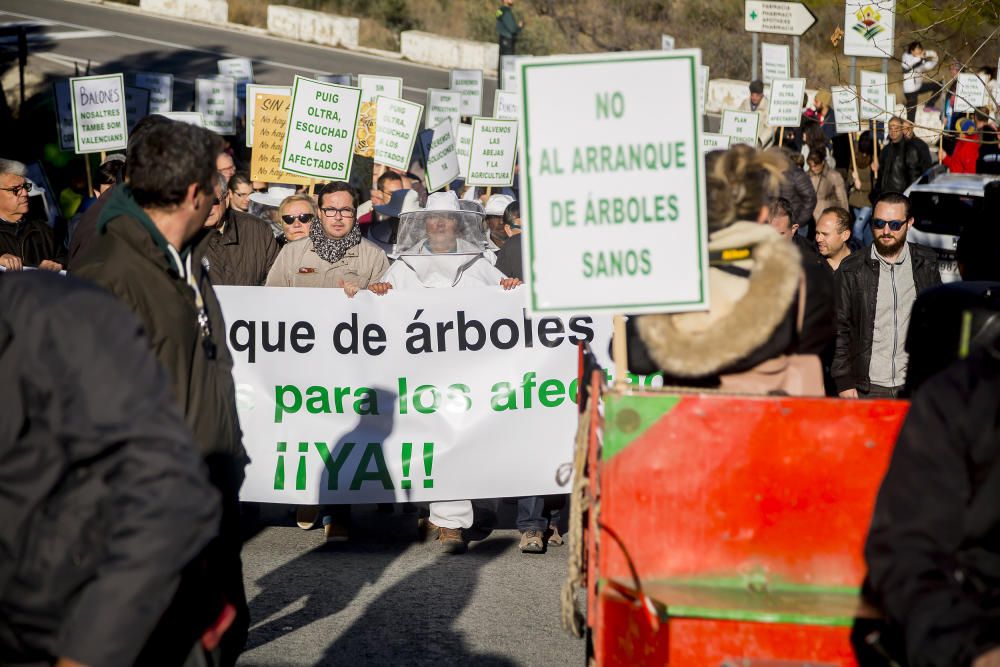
(862, 230)
(537, 512)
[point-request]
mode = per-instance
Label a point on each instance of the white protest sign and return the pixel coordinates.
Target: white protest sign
(64, 113)
(874, 89)
(890, 109)
(505, 104)
(469, 82)
(319, 142)
(373, 86)
(464, 148)
(776, 61)
(360, 403)
(506, 65)
(442, 160)
(190, 117)
(252, 90)
(869, 28)
(785, 109)
(397, 122)
(666, 42)
(443, 105)
(161, 89)
(493, 152)
(714, 142)
(614, 201)
(970, 92)
(703, 73)
(845, 108)
(99, 118)
(509, 79)
(238, 69)
(215, 100)
(740, 126)
(136, 105)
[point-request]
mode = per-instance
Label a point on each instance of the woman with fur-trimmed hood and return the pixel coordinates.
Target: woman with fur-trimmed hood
(746, 341)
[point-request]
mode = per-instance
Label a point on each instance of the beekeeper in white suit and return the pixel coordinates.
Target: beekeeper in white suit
(442, 246)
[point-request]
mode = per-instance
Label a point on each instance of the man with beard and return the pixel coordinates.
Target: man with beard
(870, 359)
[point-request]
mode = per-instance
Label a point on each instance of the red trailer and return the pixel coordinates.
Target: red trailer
(726, 530)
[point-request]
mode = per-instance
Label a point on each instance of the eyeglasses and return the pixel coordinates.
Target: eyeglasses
(894, 225)
(301, 217)
(18, 189)
(346, 213)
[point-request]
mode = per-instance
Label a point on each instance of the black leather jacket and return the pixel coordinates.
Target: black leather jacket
(899, 167)
(856, 286)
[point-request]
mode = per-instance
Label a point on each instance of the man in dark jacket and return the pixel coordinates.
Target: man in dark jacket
(933, 553)
(899, 162)
(922, 148)
(239, 247)
(23, 242)
(508, 29)
(105, 498)
(144, 256)
(875, 291)
(509, 256)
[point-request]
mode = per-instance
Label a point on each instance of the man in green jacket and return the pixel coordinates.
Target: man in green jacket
(146, 254)
(508, 28)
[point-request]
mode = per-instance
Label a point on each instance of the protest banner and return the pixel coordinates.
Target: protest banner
(666, 42)
(613, 203)
(493, 152)
(253, 90)
(192, 117)
(464, 148)
(319, 141)
(364, 140)
(361, 401)
(397, 122)
(64, 113)
(505, 103)
(785, 108)
(215, 100)
(714, 142)
(237, 69)
(270, 112)
(470, 83)
(874, 89)
(443, 104)
(703, 74)
(136, 105)
(442, 157)
(99, 118)
(970, 92)
(374, 86)
(506, 66)
(161, 89)
(776, 61)
(869, 28)
(740, 126)
(845, 108)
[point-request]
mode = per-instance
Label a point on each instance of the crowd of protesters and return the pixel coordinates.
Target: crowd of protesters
(813, 282)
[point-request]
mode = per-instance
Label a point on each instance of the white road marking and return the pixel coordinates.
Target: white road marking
(57, 36)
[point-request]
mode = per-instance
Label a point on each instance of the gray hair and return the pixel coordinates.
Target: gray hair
(221, 184)
(13, 167)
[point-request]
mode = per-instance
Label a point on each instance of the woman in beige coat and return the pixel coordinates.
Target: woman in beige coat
(333, 254)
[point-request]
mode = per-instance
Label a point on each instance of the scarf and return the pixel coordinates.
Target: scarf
(332, 250)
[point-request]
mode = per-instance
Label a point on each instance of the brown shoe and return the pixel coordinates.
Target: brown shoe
(336, 531)
(451, 541)
(555, 539)
(306, 516)
(427, 531)
(531, 542)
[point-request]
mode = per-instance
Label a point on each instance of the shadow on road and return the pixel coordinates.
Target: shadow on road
(413, 622)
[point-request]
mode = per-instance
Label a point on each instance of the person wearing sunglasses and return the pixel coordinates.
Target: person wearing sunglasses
(295, 214)
(876, 288)
(23, 242)
(240, 248)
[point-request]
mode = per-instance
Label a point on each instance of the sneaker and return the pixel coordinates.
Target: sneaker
(335, 531)
(307, 516)
(426, 530)
(451, 540)
(531, 542)
(555, 539)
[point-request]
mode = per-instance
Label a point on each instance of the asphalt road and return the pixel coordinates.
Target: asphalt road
(114, 39)
(385, 599)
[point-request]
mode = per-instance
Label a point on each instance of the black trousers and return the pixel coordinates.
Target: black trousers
(911, 98)
(507, 48)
